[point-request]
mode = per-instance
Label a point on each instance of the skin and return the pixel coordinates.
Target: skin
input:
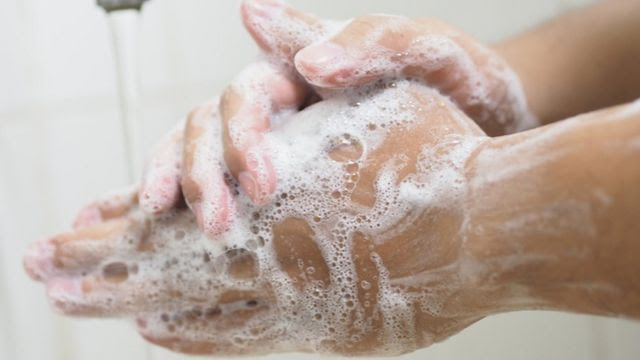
(79, 287)
(590, 56)
(561, 236)
(512, 242)
(259, 93)
(289, 79)
(204, 188)
(580, 53)
(575, 235)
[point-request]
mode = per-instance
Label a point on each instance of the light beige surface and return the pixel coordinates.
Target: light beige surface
(60, 146)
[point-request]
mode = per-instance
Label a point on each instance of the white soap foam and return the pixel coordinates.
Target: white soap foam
(187, 272)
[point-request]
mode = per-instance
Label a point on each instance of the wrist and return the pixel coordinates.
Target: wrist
(529, 228)
(549, 223)
(498, 269)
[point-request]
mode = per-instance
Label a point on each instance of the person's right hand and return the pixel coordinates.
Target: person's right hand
(266, 92)
(181, 165)
(362, 251)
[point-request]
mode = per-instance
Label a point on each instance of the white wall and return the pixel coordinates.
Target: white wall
(60, 146)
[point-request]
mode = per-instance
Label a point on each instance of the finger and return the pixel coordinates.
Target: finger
(125, 292)
(233, 311)
(116, 291)
(365, 50)
(96, 296)
(380, 46)
(376, 46)
(224, 346)
(262, 91)
(160, 187)
(203, 184)
(219, 342)
(175, 343)
(248, 108)
(79, 252)
(279, 29)
(110, 206)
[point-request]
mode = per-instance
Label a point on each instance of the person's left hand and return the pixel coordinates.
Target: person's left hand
(181, 166)
(363, 250)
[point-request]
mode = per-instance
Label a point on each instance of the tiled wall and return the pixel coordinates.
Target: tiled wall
(60, 146)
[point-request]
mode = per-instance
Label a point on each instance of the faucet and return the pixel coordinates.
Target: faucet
(113, 5)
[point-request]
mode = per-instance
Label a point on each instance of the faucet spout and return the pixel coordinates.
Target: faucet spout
(114, 5)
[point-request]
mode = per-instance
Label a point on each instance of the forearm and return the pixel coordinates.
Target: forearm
(582, 61)
(555, 213)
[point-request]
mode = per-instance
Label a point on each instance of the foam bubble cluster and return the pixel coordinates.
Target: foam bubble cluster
(302, 273)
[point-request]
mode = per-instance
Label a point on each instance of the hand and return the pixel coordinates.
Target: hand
(477, 80)
(263, 91)
(362, 250)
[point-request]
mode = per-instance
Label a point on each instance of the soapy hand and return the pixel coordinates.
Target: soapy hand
(361, 251)
(295, 73)
(395, 222)
(264, 90)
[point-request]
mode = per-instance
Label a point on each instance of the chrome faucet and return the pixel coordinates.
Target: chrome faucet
(113, 5)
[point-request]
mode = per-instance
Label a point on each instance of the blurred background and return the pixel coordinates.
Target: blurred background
(61, 145)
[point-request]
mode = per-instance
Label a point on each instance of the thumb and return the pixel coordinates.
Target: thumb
(279, 29)
(366, 49)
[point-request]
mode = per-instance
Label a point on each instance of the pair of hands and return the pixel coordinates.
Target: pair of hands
(351, 236)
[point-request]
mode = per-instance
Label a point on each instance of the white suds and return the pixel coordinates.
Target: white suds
(323, 315)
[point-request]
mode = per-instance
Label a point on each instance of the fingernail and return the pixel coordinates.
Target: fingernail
(322, 55)
(327, 65)
(249, 184)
